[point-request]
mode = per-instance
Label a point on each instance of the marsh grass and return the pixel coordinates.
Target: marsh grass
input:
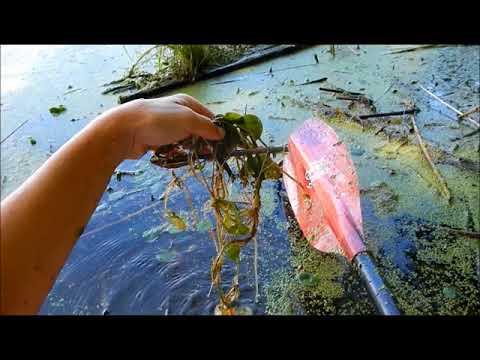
(174, 62)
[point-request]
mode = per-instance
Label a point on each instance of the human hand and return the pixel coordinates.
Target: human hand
(151, 123)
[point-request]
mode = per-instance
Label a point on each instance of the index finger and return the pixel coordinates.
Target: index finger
(194, 104)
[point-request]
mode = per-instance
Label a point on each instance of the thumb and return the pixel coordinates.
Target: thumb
(204, 127)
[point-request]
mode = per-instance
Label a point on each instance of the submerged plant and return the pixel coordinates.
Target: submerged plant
(235, 222)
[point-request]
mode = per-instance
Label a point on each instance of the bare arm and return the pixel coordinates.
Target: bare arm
(43, 218)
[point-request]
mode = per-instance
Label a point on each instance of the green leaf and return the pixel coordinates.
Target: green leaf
(233, 117)
(176, 220)
(233, 252)
(240, 229)
(55, 111)
(32, 140)
(232, 138)
(253, 126)
(228, 222)
(225, 205)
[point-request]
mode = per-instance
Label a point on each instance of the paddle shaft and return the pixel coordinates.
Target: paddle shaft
(376, 288)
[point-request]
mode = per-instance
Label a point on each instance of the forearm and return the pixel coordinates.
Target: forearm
(42, 219)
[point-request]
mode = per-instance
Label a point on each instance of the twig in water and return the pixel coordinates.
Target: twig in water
(119, 88)
(340, 91)
(471, 111)
(443, 189)
(314, 81)
(126, 52)
(379, 130)
(449, 106)
(405, 112)
(73, 90)
(413, 49)
(18, 127)
(353, 50)
(386, 90)
(332, 50)
(474, 132)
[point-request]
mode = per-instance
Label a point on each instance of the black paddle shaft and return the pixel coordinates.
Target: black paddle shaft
(376, 288)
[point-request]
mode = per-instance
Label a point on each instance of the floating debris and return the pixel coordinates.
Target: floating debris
(215, 103)
(57, 110)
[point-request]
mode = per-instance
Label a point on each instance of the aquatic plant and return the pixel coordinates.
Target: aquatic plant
(235, 222)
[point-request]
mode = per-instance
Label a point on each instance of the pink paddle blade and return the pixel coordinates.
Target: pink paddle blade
(327, 205)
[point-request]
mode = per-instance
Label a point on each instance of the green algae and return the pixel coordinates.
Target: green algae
(316, 284)
(442, 269)
(383, 196)
(445, 276)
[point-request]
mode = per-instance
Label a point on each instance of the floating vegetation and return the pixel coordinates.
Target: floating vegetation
(57, 110)
(32, 140)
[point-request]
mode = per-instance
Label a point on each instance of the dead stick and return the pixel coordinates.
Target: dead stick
(340, 91)
(254, 58)
(475, 109)
(313, 81)
(412, 49)
(259, 150)
(449, 106)
(406, 112)
(18, 127)
(353, 50)
(474, 132)
(444, 189)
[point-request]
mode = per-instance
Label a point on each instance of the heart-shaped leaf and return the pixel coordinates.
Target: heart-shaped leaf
(233, 117)
(253, 126)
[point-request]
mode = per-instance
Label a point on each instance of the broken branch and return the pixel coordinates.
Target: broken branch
(443, 189)
(471, 111)
(405, 112)
(314, 81)
(422, 47)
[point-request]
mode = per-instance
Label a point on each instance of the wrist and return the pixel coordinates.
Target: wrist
(115, 128)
